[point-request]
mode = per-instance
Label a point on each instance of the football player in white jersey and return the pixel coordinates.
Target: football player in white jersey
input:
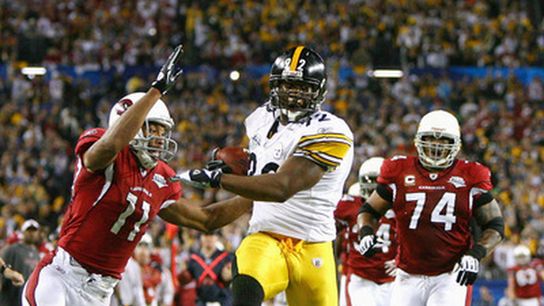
(300, 159)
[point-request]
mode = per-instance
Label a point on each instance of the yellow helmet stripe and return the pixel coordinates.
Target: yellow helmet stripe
(296, 56)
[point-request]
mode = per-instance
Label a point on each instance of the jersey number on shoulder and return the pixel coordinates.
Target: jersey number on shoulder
(447, 203)
(132, 199)
(270, 167)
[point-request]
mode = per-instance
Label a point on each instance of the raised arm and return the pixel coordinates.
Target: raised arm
(103, 152)
(205, 218)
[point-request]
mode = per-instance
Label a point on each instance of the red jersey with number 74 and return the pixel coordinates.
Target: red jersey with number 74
(433, 210)
(110, 209)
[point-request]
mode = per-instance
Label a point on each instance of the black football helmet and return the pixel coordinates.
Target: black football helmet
(297, 84)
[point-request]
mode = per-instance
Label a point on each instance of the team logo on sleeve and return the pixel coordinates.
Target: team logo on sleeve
(457, 181)
(159, 180)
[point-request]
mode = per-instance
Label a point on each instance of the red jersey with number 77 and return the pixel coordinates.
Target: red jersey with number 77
(110, 209)
(433, 210)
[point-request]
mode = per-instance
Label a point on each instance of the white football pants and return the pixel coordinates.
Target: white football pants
(63, 282)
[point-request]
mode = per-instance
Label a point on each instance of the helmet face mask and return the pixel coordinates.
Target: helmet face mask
(153, 141)
(294, 99)
(297, 84)
(368, 184)
(155, 138)
(436, 152)
(438, 140)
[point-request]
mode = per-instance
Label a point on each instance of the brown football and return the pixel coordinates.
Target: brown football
(236, 158)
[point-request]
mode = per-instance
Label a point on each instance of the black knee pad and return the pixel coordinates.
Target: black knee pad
(246, 290)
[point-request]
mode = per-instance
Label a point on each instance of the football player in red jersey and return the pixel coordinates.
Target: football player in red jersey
(434, 196)
(367, 279)
(121, 182)
(524, 278)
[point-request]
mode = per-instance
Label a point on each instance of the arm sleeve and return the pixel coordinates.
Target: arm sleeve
(481, 184)
(389, 171)
(326, 150)
(176, 194)
(86, 139)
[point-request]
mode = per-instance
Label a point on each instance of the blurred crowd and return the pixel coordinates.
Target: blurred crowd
(232, 33)
(41, 118)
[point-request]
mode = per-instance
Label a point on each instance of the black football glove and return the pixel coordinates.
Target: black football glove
(169, 71)
(469, 265)
(199, 178)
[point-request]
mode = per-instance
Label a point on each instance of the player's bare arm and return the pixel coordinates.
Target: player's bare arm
(296, 174)
(368, 217)
(489, 217)
(205, 218)
(371, 211)
(103, 152)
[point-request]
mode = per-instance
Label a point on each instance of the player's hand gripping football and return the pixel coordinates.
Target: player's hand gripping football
(234, 160)
(169, 72)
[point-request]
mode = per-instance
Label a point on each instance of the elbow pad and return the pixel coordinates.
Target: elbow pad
(496, 224)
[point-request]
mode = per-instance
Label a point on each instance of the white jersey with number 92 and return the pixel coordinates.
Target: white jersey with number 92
(324, 139)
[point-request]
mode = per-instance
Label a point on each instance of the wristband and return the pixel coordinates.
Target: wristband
(365, 231)
(478, 251)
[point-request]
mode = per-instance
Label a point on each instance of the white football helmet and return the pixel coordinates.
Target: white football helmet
(354, 190)
(438, 124)
(522, 255)
(368, 173)
(159, 113)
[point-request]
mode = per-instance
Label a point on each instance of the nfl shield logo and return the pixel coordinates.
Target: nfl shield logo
(317, 262)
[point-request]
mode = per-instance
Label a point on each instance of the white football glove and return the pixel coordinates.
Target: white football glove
(369, 245)
(468, 268)
(199, 178)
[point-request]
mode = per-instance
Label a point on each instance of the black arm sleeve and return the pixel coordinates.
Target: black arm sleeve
(483, 199)
(366, 208)
(385, 192)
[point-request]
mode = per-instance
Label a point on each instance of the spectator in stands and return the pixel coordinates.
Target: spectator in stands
(211, 267)
(22, 256)
(156, 279)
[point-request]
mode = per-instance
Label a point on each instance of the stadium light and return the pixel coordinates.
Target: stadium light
(234, 75)
(33, 71)
(386, 73)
